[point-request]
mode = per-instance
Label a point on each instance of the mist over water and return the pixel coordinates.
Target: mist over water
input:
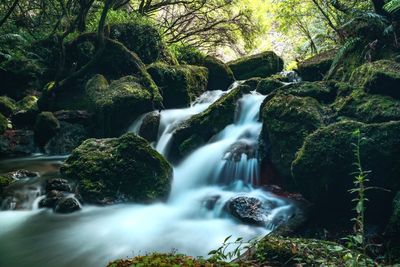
(224, 168)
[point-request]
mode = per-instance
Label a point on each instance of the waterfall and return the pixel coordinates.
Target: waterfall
(193, 221)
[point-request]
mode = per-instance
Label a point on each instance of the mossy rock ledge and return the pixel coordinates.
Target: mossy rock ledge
(380, 77)
(198, 130)
(118, 170)
(287, 121)
(323, 167)
(315, 67)
(220, 76)
(260, 65)
(180, 85)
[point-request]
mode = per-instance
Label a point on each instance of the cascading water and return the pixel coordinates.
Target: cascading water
(193, 221)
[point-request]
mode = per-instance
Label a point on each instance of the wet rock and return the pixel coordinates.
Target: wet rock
(46, 126)
(17, 143)
(323, 167)
(82, 117)
(120, 169)
(248, 210)
(380, 77)
(315, 68)
(68, 137)
(57, 184)
(149, 128)
(24, 119)
(242, 147)
(180, 85)
(210, 202)
(51, 199)
(260, 65)
(67, 205)
(252, 83)
(220, 76)
(287, 120)
(268, 85)
(200, 128)
(22, 174)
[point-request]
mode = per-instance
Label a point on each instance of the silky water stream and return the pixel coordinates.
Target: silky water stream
(226, 167)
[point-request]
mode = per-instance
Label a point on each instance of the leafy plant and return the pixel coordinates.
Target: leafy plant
(225, 252)
(357, 239)
(392, 6)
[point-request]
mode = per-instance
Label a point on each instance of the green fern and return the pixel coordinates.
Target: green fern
(392, 6)
(12, 39)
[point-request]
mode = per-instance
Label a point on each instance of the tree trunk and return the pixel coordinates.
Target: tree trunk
(8, 14)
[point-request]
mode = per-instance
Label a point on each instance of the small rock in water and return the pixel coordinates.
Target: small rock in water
(67, 205)
(51, 199)
(57, 184)
(248, 210)
(210, 202)
(239, 148)
(22, 174)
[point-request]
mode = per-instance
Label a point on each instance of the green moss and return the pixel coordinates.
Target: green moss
(144, 38)
(287, 121)
(168, 260)
(268, 85)
(28, 103)
(4, 182)
(46, 126)
(283, 251)
(355, 104)
(315, 67)
(220, 76)
(118, 169)
(323, 167)
(252, 83)
(201, 127)
(260, 65)
(322, 91)
(379, 77)
(7, 106)
(3, 124)
(180, 85)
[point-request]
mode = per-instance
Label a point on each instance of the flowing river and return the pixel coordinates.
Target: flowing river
(192, 221)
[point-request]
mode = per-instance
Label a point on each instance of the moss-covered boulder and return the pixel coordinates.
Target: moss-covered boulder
(287, 121)
(3, 124)
(19, 76)
(357, 105)
(379, 77)
(117, 105)
(324, 92)
(322, 170)
(118, 170)
(315, 67)
(268, 85)
(116, 61)
(259, 65)
(392, 232)
(150, 125)
(284, 251)
(252, 83)
(5, 181)
(220, 76)
(200, 128)
(180, 85)
(7, 106)
(46, 126)
(144, 38)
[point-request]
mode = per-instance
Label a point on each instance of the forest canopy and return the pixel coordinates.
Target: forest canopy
(296, 29)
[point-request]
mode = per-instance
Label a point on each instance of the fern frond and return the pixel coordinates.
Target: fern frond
(12, 38)
(392, 6)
